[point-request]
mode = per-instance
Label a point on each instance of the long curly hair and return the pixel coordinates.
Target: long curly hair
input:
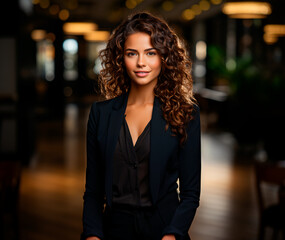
(174, 87)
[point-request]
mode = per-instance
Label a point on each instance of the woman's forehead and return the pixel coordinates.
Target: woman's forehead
(138, 40)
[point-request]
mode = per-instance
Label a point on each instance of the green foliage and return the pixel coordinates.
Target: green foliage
(250, 83)
(256, 97)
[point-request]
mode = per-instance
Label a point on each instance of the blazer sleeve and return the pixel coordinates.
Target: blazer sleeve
(189, 180)
(94, 185)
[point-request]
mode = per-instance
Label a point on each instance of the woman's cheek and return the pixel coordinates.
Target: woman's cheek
(128, 64)
(156, 63)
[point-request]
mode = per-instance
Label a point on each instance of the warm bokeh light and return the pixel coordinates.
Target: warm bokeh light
(38, 34)
(79, 28)
(204, 5)
(130, 4)
(216, 2)
(247, 16)
(276, 29)
(44, 3)
(50, 36)
(63, 14)
(54, 9)
(196, 8)
(270, 39)
(201, 50)
(247, 9)
(167, 5)
(188, 14)
(72, 4)
(272, 32)
(97, 36)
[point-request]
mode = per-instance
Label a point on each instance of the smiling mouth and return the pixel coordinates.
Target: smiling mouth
(141, 73)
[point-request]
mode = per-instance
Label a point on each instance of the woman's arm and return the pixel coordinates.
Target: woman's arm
(189, 179)
(94, 186)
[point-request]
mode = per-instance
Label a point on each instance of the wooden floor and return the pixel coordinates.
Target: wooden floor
(52, 186)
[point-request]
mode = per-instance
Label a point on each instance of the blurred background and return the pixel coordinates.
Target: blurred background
(48, 79)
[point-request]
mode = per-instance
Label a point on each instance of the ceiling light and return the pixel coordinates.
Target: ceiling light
(275, 29)
(79, 28)
(98, 36)
(272, 32)
(247, 9)
(270, 39)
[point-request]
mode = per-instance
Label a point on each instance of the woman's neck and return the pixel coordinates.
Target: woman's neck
(140, 95)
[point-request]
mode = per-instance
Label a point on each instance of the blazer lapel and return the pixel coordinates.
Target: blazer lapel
(158, 141)
(115, 123)
(157, 133)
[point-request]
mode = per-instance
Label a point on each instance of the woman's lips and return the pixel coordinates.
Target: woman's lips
(141, 73)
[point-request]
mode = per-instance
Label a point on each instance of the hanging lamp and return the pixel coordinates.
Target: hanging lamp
(247, 9)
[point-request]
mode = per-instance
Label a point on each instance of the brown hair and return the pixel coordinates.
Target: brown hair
(174, 88)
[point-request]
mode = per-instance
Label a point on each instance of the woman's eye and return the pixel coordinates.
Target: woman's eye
(130, 54)
(151, 53)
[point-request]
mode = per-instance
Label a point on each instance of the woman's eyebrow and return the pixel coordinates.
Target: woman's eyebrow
(149, 49)
(129, 49)
(134, 50)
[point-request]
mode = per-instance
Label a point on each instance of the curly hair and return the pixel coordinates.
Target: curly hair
(174, 87)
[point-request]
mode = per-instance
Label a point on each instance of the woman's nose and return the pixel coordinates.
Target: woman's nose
(141, 61)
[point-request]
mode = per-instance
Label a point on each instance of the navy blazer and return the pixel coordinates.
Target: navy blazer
(168, 162)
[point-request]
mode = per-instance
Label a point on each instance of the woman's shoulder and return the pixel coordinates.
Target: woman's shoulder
(106, 104)
(196, 109)
(103, 102)
(195, 115)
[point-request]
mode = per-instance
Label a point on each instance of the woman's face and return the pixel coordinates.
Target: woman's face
(142, 61)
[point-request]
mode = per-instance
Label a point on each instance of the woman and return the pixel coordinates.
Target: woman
(143, 138)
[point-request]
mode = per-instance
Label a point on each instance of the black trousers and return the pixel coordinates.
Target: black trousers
(128, 223)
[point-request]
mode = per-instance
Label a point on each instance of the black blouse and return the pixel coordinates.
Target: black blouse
(130, 168)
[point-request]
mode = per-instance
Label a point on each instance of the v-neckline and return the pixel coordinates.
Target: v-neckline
(140, 136)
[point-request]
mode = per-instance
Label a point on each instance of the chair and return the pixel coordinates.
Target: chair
(272, 215)
(10, 172)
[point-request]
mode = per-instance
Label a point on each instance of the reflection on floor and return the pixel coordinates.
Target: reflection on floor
(52, 186)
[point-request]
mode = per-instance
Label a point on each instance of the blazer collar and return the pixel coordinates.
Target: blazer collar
(157, 131)
(121, 102)
(115, 123)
